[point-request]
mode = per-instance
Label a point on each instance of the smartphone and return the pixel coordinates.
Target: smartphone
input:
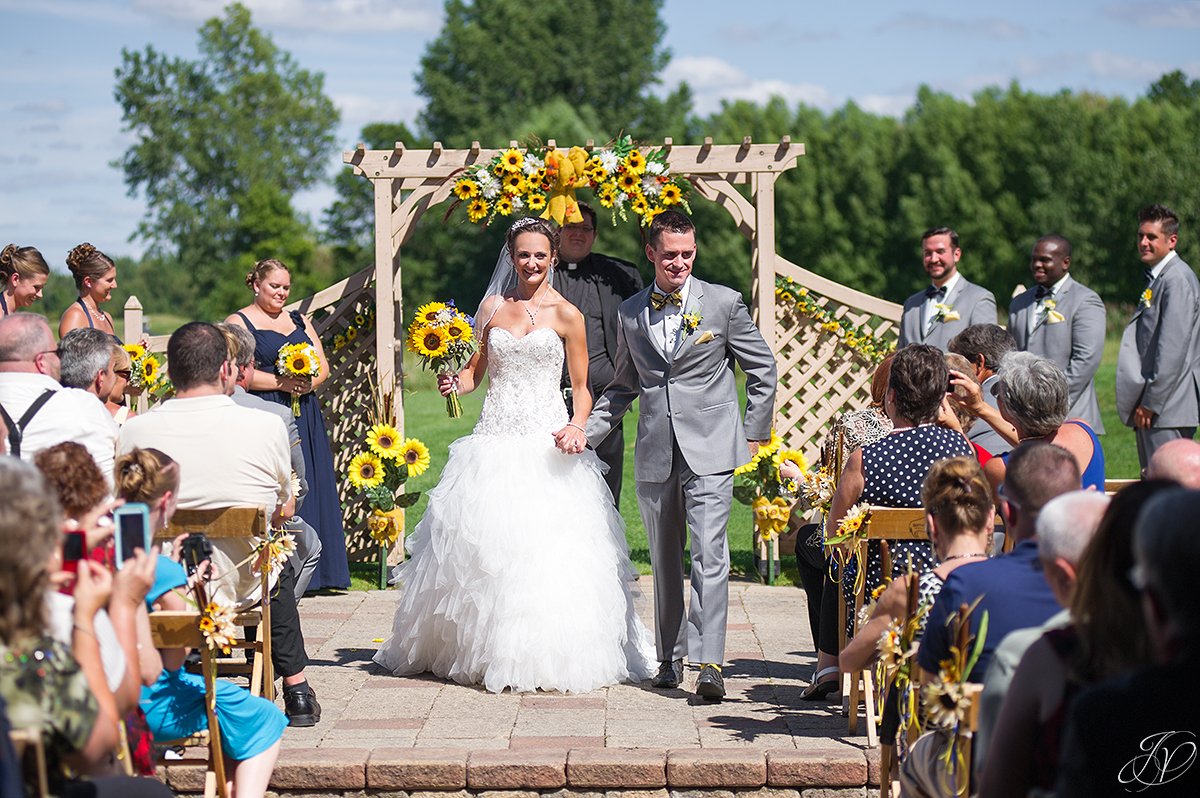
(131, 531)
(195, 549)
(74, 548)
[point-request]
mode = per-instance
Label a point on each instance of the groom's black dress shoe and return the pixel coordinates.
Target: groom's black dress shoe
(711, 685)
(669, 676)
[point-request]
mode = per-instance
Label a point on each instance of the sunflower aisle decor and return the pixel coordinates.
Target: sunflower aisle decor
(843, 544)
(216, 624)
(298, 360)
(759, 484)
(623, 177)
(380, 470)
(947, 698)
(147, 373)
(443, 337)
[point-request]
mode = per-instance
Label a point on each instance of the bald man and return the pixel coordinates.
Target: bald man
(1178, 461)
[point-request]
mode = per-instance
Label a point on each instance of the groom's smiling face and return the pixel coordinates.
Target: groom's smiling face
(672, 257)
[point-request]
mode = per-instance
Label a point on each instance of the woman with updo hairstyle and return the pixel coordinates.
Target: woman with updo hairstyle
(95, 276)
(959, 517)
(24, 272)
(273, 328)
(251, 727)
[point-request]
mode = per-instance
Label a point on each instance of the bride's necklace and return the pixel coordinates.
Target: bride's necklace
(533, 316)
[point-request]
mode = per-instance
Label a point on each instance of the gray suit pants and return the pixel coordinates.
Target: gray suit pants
(1149, 440)
(669, 509)
(308, 553)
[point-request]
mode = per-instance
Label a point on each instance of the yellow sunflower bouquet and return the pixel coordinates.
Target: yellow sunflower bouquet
(769, 494)
(147, 372)
(298, 360)
(444, 338)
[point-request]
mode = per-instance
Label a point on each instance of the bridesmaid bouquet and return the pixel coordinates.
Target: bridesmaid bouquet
(298, 360)
(442, 336)
(146, 372)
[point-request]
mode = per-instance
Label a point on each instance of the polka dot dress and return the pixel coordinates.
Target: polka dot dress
(894, 469)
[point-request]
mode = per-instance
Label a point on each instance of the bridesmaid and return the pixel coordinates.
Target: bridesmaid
(25, 273)
(95, 276)
(272, 329)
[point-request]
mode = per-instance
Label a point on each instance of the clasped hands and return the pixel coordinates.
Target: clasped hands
(570, 439)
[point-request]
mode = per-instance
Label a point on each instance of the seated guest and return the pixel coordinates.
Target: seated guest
(1074, 538)
(890, 471)
(1033, 400)
(58, 689)
(1136, 732)
(1011, 588)
(230, 456)
(984, 346)
(958, 514)
(308, 542)
(87, 362)
(1177, 461)
(117, 401)
(954, 415)
(251, 727)
(852, 430)
(35, 408)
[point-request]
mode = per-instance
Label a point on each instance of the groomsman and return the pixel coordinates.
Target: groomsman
(596, 284)
(1158, 368)
(1063, 321)
(951, 303)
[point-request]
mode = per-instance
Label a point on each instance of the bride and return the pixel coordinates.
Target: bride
(519, 570)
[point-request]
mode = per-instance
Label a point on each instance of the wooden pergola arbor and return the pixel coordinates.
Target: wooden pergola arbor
(818, 377)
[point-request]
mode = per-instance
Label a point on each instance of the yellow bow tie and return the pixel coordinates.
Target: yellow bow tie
(659, 301)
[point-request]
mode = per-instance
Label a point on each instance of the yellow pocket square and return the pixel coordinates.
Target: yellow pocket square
(705, 337)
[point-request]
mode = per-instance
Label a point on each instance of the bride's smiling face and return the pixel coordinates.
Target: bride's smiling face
(532, 258)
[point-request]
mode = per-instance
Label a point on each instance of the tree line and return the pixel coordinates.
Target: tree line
(223, 142)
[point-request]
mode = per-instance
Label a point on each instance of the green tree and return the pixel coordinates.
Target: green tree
(222, 144)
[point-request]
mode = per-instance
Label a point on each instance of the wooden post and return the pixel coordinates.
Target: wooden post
(763, 259)
(387, 308)
(133, 322)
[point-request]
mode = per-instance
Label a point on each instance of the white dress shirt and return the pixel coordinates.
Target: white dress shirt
(665, 323)
(70, 415)
(1039, 305)
(930, 301)
(1157, 269)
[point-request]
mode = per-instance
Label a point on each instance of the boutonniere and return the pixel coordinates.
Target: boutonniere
(1052, 315)
(944, 313)
(689, 323)
(1147, 297)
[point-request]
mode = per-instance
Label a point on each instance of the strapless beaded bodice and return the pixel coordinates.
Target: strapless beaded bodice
(523, 391)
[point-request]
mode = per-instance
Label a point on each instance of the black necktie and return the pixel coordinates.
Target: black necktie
(933, 292)
(659, 301)
(1149, 276)
(1043, 292)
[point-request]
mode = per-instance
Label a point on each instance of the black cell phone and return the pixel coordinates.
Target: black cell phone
(131, 530)
(195, 549)
(73, 547)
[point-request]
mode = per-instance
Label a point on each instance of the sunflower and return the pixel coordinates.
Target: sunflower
(513, 183)
(498, 169)
(639, 205)
(671, 194)
(477, 209)
(650, 214)
(339, 342)
(431, 342)
(504, 206)
(384, 440)
(416, 456)
(150, 369)
(466, 188)
(135, 350)
(536, 201)
(360, 319)
(351, 334)
(300, 363)
(428, 313)
(628, 182)
(366, 471)
(512, 160)
(458, 330)
(635, 162)
(795, 456)
(607, 195)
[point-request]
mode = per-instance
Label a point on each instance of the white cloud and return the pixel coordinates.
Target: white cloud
(1104, 64)
(886, 104)
(1158, 15)
(713, 80)
(988, 27)
(359, 109)
(325, 15)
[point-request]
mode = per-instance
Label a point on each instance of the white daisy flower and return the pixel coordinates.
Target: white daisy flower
(609, 160)
(532, 164)
(489, 186)
(650, 187)
(518, 204)
(655, 168)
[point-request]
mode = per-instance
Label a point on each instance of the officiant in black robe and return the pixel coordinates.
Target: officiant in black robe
(596, 284)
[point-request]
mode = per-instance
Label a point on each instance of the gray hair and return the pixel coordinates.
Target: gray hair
(245, 342)
(84, 352)
(1067, 523)
(1035, 393)
(1166, 553)
(22, 336)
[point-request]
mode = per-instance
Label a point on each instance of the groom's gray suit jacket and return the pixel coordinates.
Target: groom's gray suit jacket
(689, 394)
(1076, 343)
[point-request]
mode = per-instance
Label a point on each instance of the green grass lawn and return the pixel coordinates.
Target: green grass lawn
(425, 418)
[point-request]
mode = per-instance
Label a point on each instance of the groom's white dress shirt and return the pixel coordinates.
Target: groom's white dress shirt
(664, 324)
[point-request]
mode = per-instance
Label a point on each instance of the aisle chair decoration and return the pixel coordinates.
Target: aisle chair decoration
(951, 702)
(897, 661)
(444, 338)
(298, 360)
(769, 494)
(380, 470)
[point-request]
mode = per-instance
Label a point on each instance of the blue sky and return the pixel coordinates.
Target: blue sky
(60, 127)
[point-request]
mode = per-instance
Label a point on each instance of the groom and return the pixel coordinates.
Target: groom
(677, 341)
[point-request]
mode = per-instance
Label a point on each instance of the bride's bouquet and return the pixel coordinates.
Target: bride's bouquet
(298, 360)
(442, 336)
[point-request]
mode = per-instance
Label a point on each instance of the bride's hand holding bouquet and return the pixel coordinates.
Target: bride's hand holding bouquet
(442, 336)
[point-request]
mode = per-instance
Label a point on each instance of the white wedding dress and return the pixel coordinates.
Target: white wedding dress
(519, 570)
